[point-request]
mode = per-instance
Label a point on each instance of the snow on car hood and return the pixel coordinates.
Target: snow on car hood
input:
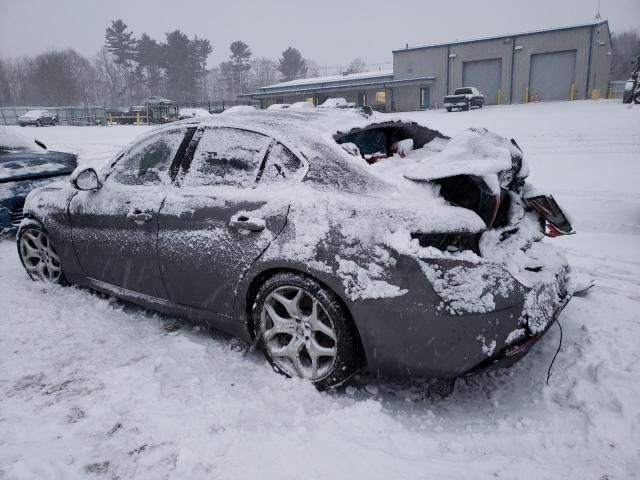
(24, 165)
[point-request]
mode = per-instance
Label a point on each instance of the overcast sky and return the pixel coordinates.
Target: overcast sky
(332, 32)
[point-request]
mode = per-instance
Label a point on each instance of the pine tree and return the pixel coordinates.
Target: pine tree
(292, 65)
(120, 43)
(240, 63)
(149, 58)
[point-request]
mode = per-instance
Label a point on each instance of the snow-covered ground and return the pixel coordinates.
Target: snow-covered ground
(90, 386)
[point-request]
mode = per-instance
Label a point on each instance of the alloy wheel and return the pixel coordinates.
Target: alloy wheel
(39, 256)
(298, 334)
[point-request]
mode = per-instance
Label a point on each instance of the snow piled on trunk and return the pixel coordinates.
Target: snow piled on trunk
(91, 387)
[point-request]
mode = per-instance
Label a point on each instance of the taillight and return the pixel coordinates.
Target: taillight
(555, 221)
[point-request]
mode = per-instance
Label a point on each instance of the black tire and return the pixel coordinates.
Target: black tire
(38, 123)
(22, 125)
(448, 109)
(467, 107)
(37, 229)
(348, 358)
(636, 97)
(481, 104)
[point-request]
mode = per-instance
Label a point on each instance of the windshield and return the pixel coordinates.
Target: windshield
(11, 143)
(462, 91)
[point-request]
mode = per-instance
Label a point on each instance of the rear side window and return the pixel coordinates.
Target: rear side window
(280, 165)
(148, 162)
(226, 156)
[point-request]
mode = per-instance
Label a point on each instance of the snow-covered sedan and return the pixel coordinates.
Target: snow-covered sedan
(38, 118)
(333, 240)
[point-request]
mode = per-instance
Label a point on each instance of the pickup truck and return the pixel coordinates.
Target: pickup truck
(464, 98)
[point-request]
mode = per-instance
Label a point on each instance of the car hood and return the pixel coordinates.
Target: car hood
(29, 165)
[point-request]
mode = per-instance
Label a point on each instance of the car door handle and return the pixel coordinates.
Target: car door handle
(244, 222)
(138, 216)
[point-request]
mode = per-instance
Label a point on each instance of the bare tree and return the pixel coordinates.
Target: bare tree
(313, 69)
(626, 47)
(265, 72)
(111, 76)
(357, 65)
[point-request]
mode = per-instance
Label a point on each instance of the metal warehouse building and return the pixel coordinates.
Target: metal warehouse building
(559, 64)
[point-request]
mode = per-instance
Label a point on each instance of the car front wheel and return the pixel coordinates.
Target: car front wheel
(305, 331)
(38, 255)
(38, 123)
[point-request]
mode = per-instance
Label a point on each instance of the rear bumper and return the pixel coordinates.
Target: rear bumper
(414, 336)
(512, 353)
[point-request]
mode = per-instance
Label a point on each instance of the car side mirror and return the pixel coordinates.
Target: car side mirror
(86, 179)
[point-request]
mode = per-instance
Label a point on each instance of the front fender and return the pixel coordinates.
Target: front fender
(50, 207)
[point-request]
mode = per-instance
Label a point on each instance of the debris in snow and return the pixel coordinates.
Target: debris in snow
(372, 389)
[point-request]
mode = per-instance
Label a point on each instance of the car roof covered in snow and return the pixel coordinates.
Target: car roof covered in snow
(297, 125)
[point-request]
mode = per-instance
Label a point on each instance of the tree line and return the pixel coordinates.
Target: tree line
(127, 70)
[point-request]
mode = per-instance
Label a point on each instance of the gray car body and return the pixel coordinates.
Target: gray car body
(174, 264)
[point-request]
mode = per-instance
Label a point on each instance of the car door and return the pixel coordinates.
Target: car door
(114, 229)
(221, 215)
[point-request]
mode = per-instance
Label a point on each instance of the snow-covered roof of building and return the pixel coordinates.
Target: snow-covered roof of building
(496, 37)
(353, 78)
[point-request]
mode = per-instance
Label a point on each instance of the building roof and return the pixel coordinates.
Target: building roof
(497, 37)
(338, 80)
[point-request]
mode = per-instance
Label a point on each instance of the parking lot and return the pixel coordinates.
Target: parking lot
(93, 386)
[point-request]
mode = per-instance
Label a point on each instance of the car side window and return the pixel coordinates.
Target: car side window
(281, 165)
(226, 156)
(148, 162)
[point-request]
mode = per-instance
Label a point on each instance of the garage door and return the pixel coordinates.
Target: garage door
(552, 75)
(485, 75)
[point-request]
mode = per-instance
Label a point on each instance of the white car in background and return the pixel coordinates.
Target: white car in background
(38, 118)
(192, 113)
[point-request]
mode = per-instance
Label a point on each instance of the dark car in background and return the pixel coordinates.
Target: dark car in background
(38, 118)
(332, 239)
(25, 165)
(464, 98)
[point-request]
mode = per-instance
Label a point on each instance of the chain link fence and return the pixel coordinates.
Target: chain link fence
(75, 116)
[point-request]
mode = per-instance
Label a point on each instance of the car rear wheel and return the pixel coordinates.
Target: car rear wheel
(448, 109)
(38, 255)
(636, 98)
(305, 331)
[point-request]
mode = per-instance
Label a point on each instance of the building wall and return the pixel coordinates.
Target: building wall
(348, 95)
(547, 42)
(426, 62)
(485, 50)
(601, 56)
(446, 63)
